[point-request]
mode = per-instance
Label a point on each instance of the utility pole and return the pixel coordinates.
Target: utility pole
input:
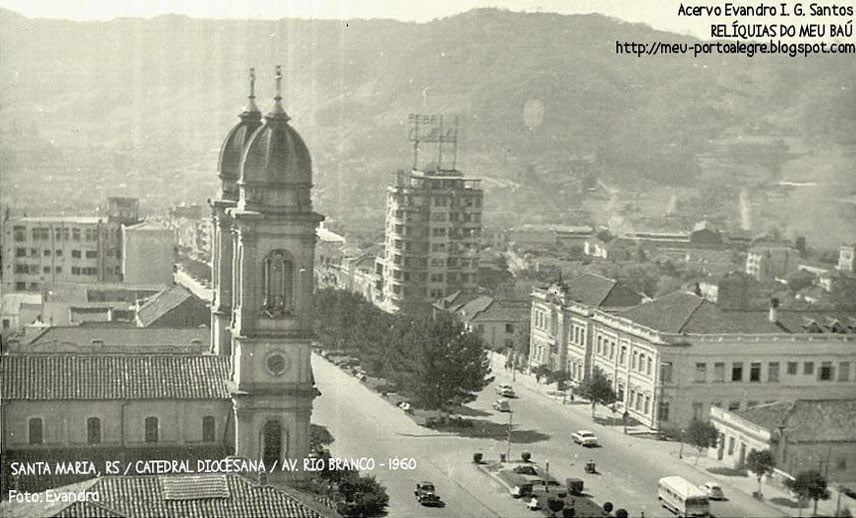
(508, 445)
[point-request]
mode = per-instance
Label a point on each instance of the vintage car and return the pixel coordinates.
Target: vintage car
(425, 494)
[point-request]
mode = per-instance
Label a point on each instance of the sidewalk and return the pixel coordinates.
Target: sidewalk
(776, 496)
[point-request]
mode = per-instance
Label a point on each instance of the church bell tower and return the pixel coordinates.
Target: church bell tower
(271, 240)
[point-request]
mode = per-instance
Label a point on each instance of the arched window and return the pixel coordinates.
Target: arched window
(151, 429)
(272, 437)
(277, 281)
(93, 430)
(208, 428)
(35, 430)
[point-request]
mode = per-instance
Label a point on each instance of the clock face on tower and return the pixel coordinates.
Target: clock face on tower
(276, 363)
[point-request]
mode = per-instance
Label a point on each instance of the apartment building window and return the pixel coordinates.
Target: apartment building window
(700, 372)
(20, 252)
(20, 233)
(844, 371)
(75, 234)
(35, 427)
(755, 372)
(208, 428)
(663, 411)
(773, 372)
(731, 445)
(438, 247)
(58, 269)
(647, 404)
(93, 430)
(611, 350)
(826, 371)
(642, 362)
(733, 405)
(737, 371)
(650, 366)
(718, 372)
(438, 232)
(622, 355)
(436, 277)
(34, 286)
(46, 269)
(151, 429)
(509, 328)
(58, 253)
(635, 364)
(20, 286)
(46, 252)
(41, 234)
(666, 372)
(34, 252)
(75, 254)
(808, 368)
(793, 368)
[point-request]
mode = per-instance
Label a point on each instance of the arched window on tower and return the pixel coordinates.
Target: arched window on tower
(278, 278)
(271, 443)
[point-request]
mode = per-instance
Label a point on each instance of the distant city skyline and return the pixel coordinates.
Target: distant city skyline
(656, 13)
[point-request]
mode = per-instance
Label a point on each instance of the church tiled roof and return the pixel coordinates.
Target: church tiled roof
(88, 376)
(149, 497)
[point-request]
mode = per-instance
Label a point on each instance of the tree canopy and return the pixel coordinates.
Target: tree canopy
(809, 484)
(438, 362)
(598, 389)
(701, 434)
(760, 462)
(434, 361)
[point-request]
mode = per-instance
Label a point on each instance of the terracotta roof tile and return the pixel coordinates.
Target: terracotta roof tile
(123, 336)
(144, 497)
(87, 376)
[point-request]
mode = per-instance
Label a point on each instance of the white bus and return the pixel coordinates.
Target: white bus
(683, 498)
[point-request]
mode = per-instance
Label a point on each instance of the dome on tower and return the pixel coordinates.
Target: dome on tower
(229, 166)
(276, 154)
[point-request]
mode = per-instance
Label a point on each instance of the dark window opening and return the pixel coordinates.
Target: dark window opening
(151, 429)
(93, 430)
(272, 434)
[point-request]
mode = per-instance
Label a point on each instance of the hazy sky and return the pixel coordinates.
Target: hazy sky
(657, 13)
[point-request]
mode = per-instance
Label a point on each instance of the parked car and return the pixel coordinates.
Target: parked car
(713, 490)
(505, 390)
(501, 405)
(584, 438)
(425, 494)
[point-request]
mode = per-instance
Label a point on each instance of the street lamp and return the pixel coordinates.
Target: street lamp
(681, 451)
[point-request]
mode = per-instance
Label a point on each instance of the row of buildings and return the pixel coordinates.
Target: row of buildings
(116, 247)
(682, 356)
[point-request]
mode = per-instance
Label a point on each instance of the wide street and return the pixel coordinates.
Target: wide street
(365, 425)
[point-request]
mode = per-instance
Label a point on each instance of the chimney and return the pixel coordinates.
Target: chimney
(774, 312)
